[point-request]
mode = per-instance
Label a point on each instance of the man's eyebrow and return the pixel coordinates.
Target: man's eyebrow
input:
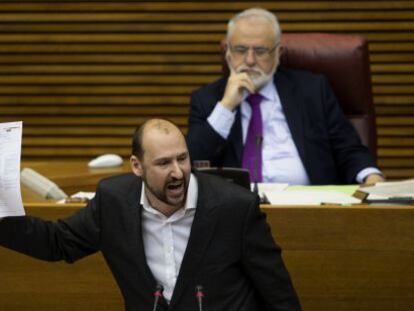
(162, 159)
(183, 153)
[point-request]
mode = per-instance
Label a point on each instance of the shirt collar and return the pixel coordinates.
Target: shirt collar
(190, 203)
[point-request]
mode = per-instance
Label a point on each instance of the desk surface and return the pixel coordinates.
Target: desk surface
(71, 176)
(355, 258)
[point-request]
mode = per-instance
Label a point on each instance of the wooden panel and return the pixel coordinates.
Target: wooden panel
(339, 259)
(68, 66)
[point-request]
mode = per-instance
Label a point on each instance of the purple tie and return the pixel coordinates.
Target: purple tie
(252, 154)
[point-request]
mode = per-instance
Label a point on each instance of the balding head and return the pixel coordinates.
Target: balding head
(149, 128)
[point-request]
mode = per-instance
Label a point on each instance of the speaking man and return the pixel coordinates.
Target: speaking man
(163, 226)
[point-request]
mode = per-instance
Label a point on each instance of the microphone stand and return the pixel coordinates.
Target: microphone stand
(199, 295)
(157, 294)
(259, 139)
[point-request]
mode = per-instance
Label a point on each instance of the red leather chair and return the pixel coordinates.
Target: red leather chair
(344, 60)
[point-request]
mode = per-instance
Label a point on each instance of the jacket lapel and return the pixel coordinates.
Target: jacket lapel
(292, 109)
(236, 137)
(135, 237)
(202, 230)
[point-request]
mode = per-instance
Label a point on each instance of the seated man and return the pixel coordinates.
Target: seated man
(282, 125)
(163, 226)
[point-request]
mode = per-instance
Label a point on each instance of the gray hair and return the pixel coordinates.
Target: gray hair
(258, 12)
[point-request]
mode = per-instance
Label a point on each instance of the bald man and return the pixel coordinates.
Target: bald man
(163, 226)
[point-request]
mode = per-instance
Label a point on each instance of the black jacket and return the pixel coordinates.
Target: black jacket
(230, 252)
(328, 145)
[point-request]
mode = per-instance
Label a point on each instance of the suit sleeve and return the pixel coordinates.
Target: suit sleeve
(264, 265)
(350, 154)
(204, 143)
(69, 239)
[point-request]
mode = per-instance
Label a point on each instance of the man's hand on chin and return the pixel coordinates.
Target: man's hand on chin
(372, 179)
(233, 93)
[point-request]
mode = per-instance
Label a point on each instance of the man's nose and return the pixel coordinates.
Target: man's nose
(250, 57)
(176, 171)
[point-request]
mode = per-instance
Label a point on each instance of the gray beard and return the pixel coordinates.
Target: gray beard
(262, 80)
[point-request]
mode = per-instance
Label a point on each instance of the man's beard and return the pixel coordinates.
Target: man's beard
(161, 194)
(257, 75)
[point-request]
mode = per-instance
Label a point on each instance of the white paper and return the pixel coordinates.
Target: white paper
(83, 195)
(266, 188)
(269, 187)
(384, 190)
(310, 197)
(11, 203)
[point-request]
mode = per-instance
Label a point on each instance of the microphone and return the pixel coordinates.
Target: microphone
(157, 294)
(199, 295)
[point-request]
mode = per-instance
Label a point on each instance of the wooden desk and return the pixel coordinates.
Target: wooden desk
(71, 176)
(340, 258)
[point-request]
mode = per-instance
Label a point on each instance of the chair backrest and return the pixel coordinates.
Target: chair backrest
(344, 60)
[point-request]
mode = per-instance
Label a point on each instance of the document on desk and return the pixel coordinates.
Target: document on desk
(314, 195)
(404, 188)
(11, 203)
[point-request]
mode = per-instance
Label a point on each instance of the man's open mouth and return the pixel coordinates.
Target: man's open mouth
(176, 188)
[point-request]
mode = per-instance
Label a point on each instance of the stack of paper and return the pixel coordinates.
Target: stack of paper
(282, 194)
(393, 191)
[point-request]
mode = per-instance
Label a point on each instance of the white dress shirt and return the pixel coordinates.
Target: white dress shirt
(165, 238)
(281, 161)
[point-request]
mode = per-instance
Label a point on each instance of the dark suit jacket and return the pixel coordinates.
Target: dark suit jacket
(230, 251)
(328, 145)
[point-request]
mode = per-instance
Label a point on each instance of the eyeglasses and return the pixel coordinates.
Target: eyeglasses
(258, 51)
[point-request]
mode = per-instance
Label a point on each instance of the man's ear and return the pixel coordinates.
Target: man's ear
(228, 60)
(136, 165)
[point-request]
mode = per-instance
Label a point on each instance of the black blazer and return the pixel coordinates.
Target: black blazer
(230, 251)
(328, 145)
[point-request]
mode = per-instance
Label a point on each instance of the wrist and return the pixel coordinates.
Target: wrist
(228, 104)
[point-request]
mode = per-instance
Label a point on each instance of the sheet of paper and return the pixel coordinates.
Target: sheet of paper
(403, 188)
(310, 197)
(347, 189)
(78, 197)
(83, 195)
(10, 150)
(269, 187)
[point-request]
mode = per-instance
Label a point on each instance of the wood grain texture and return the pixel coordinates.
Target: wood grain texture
(339, 258)
(70, 66)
